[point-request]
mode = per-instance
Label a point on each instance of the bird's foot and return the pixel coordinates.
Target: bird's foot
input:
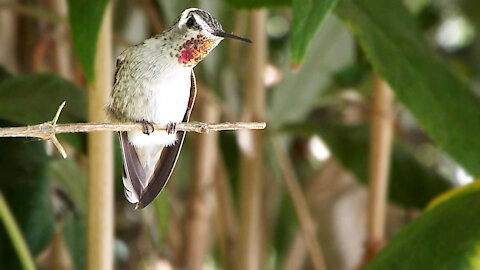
(146, 126)
(171, 128)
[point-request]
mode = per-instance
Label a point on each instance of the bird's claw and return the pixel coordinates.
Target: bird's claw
(171, 128)
(146, 126)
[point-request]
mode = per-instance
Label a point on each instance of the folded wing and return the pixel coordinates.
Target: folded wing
(138, 189)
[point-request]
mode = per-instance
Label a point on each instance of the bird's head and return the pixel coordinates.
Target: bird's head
(200, 33)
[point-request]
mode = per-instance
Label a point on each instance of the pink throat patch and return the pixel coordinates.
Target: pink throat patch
(194, 50)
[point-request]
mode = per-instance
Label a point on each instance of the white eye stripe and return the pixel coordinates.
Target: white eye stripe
(185, 15)
(204, 19)
(201, 22)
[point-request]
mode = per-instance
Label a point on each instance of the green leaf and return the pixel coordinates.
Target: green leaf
(286, 227)
(230, 156)
(410, 185)
(34, 99)
(25, 188)
(443, 105)
(251, 4)
(308, 15)
(4, 74)
(74, 232)
(85, 17)
(298, 93)
(446, 237)
(67, 175)
(70, 178)
(162, 214)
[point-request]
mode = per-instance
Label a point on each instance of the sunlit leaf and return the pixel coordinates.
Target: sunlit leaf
(446, 109)
(308, 15)
(445, 237)
(85, 17)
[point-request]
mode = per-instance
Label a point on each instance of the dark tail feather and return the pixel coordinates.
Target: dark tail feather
(133, 171)
(163, 170)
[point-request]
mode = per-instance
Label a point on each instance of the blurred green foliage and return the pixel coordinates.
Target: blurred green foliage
(385, 37)
(252, 4)
(442, 103)
(85, 17)
(445, 237)
(25, 187)
(307, 16)
(411, 184)
(43, 94)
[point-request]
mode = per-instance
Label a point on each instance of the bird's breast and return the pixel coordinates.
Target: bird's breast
(161, 100)
(168, 98)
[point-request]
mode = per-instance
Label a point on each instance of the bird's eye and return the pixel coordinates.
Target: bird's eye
(190, 22)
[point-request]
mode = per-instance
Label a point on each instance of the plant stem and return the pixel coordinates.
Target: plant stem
(250, 236)
(34, 12)
(200, 208)
(8, 38)
(226, 217)
(304, 216)
(100, 157)
(15, 235)
(381, 131)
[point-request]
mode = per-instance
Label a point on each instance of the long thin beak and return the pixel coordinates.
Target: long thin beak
(226, 35)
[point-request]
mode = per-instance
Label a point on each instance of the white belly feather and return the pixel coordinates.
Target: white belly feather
(166, 102)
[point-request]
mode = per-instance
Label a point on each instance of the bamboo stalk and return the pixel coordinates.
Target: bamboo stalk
(199, 217)
(33, 12)
(8, 39)
(100, 157)
(152, 15)
(15, 235)
(226, 217)
(381, 131)
(323, 189)
(296, 254)
(62, 51)
(307, 224)
(250, 236)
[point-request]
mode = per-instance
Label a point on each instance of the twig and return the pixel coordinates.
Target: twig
(48, 130)
(307, 223)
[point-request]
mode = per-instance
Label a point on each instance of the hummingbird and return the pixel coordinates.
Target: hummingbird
(154, 83)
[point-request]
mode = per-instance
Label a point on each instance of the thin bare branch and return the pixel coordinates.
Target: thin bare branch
(45, 130)
(48, 130)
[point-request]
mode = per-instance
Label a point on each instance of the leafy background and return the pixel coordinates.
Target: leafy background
(322, 58)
